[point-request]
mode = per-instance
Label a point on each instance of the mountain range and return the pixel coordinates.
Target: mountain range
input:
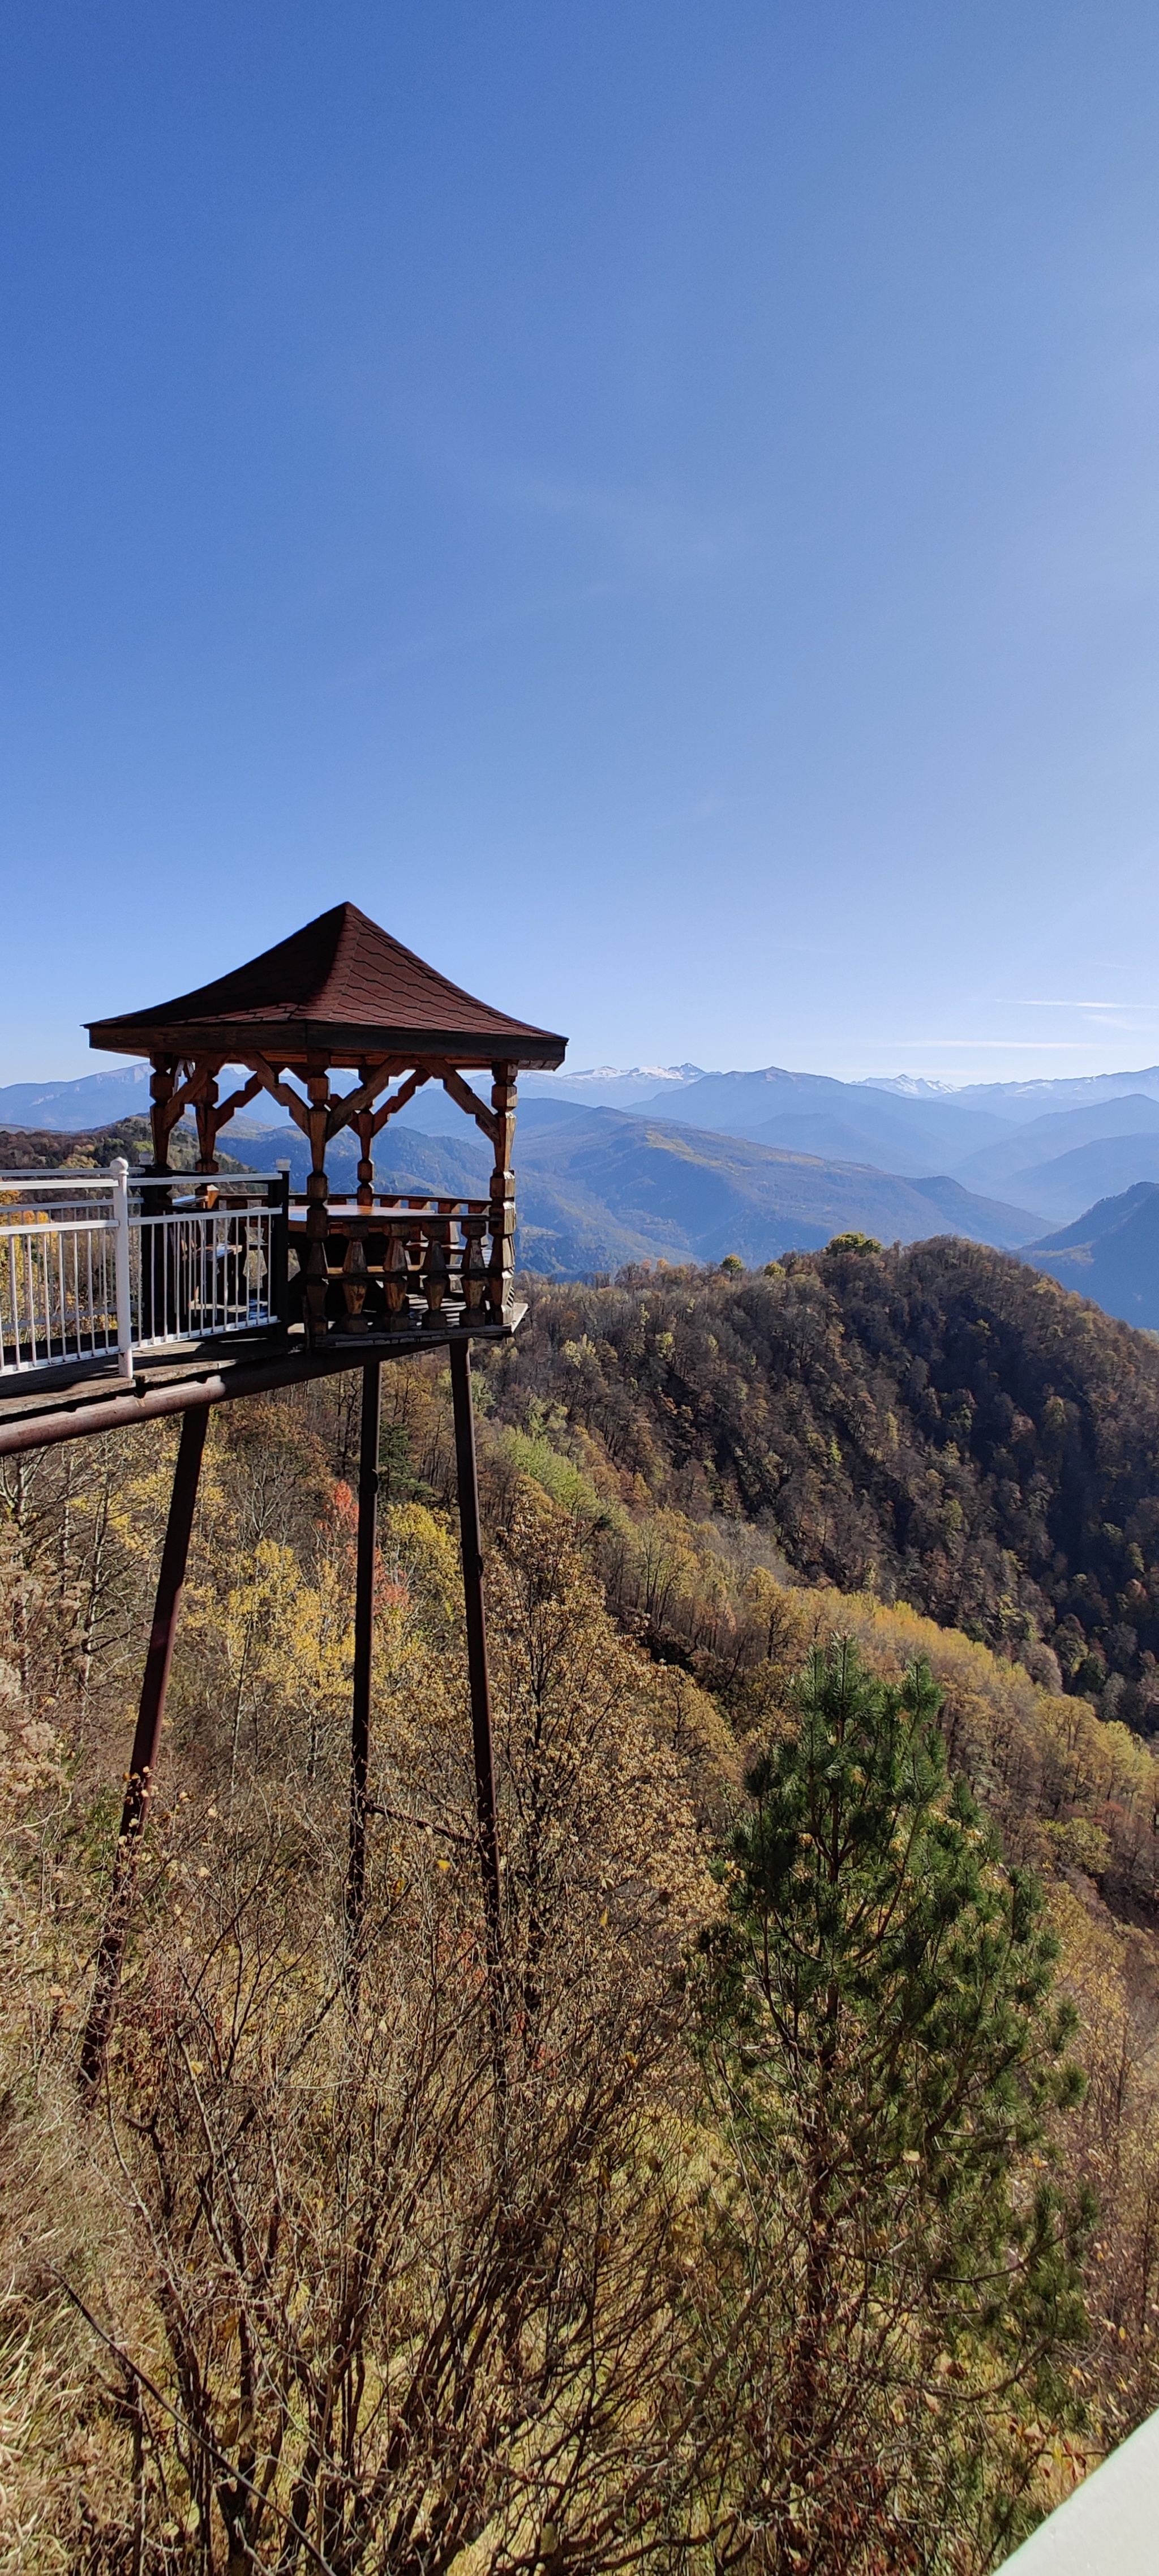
(600, 1187)
(681, 1164)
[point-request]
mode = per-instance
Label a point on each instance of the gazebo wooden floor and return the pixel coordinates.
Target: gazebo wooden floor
(54, 1404)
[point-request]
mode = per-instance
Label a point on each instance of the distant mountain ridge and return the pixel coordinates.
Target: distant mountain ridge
(932, 1131)
(94, 1100)
(609, 1086)
(122, 1091)
(897, 1157)
(1056, 1091)
(600, 1187)
(1111, 1255)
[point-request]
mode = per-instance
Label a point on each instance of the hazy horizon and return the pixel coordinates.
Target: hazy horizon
(94, 1066)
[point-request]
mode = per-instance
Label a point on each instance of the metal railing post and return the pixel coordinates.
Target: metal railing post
(123, 1270)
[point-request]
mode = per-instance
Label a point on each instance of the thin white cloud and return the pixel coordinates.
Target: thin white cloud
(657, 529)
(1022, 1003)
(1008, 1046)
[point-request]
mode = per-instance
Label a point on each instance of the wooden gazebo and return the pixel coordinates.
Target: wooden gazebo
(341, 994)
(378, 1275)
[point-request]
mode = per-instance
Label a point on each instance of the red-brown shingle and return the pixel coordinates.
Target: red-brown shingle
(339, 986)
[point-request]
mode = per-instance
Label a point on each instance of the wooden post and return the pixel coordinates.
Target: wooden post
(502, 1204)
(146, 1741)
(279, 1201)
(206, 1105)
(363, 1643)
(161, 1089)
(486, 1809)
(365, 1126)
(155, 1301)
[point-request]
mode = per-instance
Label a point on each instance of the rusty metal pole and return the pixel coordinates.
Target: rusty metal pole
(143, 1758)
(363, 1641)
(486, 1810)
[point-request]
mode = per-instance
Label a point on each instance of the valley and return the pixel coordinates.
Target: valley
(629, 1167)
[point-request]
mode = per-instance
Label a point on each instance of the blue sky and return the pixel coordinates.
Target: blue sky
(659, 503)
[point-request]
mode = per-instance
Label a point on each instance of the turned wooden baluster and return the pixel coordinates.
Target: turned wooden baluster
(502, 1203)
(436, 1273)
(474, 1269)
(317, 1195)
(355, 1282)
(416, 1246)
(395, 1280)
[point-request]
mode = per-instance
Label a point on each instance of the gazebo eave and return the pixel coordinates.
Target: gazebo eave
(339, 1044)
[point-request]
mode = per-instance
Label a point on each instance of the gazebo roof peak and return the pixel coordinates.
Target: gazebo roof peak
(340, 987)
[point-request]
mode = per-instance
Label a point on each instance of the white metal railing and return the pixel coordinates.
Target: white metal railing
(197, 1273)
(64, 1269)
(90, 1270)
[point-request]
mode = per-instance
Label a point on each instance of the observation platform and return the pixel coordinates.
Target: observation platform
(124, 1296)
(79, 1402)
(118, 1270)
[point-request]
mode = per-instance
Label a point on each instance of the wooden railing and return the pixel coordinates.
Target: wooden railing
(404, 1264)
(100, 1266)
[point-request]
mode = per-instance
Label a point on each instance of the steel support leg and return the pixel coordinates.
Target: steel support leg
(146, 1741)
(363, 1642)
(486, 1811)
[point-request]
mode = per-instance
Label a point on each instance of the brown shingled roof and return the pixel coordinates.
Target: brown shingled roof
(339, 987)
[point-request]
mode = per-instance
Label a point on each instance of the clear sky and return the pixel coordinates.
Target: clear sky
(658, 503)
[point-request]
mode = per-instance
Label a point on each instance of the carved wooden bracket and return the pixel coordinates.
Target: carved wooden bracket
(406, 1091)
(197, 1084)
(346, 1112)
(299, 1109)
(238, 1100)
(464, 1098)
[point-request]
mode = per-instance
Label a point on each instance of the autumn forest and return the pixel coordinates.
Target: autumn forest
(788, 2197)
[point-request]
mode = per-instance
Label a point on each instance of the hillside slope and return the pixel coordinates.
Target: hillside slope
(1043, 1140)
(651, 1188)
(47, 1149)
(940, 1424)
(1071, 1183)
(1110, 1253)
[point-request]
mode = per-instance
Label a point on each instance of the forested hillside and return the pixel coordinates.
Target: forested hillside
(938, 1424)
(789, 2199)
(48, 1149)
(368, 2266)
